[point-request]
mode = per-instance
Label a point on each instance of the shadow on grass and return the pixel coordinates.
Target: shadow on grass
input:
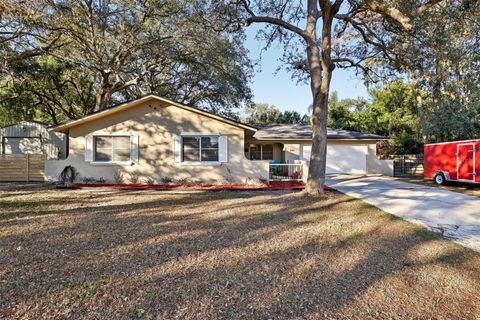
(265, 255)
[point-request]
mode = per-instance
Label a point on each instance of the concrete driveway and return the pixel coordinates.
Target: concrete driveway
(455, 215)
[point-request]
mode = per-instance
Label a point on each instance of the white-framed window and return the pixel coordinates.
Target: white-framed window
(261, 151)
(200, 148)
(111, 148)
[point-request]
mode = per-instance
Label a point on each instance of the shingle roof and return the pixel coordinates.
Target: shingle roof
(304, 131)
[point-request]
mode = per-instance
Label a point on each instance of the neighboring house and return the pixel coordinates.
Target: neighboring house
(32, 137)
(161, 140)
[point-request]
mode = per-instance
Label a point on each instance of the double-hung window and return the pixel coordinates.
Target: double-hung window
(111, 148)
(200, 148)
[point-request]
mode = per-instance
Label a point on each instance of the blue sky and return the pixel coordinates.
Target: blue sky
(280, 90)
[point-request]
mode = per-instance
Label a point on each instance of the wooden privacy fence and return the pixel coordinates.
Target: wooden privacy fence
(408, 165)
(22, 167)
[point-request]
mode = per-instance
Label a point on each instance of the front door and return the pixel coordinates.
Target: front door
(465, 161)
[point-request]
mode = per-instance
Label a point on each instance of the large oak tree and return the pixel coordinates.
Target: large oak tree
(317, 37)
(62, 53)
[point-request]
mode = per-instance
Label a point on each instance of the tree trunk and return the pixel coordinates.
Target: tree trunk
(417, 92)
(105, 92)
(320, 77)
(318, 158)
(437, 86)
(437, 91)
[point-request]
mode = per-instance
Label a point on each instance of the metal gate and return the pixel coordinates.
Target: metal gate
(408, 165)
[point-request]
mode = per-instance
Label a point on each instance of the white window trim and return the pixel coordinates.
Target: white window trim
(200, 135)
(111, 163)
(108, 163)
(201, 163)
(189, 134)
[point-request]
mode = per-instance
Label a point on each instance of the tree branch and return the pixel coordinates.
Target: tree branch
(275, 21)
(395, 14)
(425, 7)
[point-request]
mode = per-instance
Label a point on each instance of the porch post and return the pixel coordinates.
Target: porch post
(305, 166)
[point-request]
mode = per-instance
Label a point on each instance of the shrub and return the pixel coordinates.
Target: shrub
(263, 180)
(118, 177)
(166, 180)
(228, 176)
(149, 180)
(134, 177)
(88, 180)
(69, 174)
(181, 181)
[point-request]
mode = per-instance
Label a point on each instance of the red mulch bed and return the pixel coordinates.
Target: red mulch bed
(270, 186)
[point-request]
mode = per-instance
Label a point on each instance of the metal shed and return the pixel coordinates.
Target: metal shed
(31, 137)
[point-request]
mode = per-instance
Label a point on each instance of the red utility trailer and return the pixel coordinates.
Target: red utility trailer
(452, 161)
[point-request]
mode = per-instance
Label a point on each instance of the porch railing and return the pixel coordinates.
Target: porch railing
(285, 172)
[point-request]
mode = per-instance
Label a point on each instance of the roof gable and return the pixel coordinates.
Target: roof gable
(131, 104)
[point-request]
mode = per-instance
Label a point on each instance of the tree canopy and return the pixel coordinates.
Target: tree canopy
(64, 59)
(263, 113)
(389, 111)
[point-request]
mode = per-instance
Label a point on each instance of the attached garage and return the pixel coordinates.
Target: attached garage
(348, 152)
(342, 157)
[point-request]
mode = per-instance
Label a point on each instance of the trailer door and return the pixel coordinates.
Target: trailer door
(466, 161)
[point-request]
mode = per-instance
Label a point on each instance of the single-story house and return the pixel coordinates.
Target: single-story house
(160, 140)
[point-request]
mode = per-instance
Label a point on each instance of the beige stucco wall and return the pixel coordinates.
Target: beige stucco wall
(157, 126)
(377, 166)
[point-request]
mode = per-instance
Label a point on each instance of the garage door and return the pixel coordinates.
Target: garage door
(343, 158)
(23, 145)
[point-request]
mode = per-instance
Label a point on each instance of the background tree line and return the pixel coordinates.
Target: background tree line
(62, 59)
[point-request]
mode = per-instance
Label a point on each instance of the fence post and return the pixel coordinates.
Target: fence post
(28, 167)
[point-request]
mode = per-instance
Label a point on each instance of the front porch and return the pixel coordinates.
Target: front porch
(284, 162)
(285, 172)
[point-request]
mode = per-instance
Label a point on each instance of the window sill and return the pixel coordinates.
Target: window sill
(200, 163)
(112, 163)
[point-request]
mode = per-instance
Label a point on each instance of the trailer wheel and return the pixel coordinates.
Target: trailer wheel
(439, 178)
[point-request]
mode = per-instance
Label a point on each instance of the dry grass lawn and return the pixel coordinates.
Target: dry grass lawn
(221, 255)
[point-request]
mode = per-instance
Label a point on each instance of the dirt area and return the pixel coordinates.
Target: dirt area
(465, 188)
(113, 254)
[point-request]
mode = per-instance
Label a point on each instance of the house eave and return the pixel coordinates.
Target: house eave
(310, 139)
(130, 104)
